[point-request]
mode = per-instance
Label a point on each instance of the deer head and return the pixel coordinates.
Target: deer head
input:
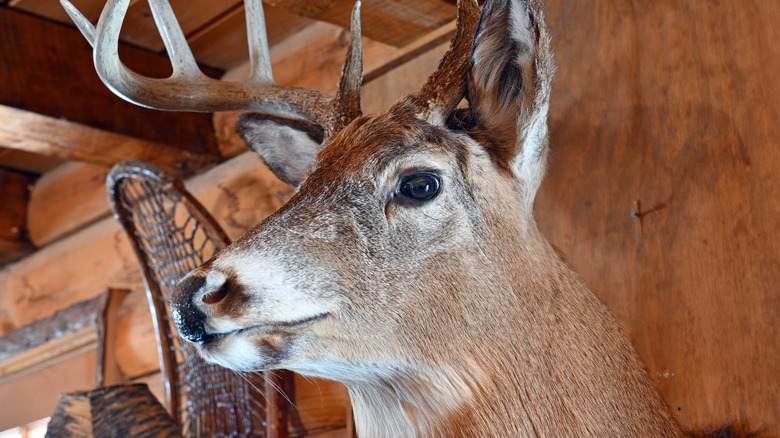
(408, 265)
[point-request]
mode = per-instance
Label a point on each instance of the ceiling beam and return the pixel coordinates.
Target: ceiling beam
(14, 195)
(43, 135)
(47, 68)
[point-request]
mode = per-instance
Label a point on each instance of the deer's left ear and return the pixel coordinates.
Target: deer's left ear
(288, 146)
(508, 89)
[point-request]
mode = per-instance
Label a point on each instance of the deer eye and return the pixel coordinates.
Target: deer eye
(421, 186)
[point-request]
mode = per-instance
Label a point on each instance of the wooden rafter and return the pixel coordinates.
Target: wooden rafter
(28, 131)
(14, 195)
(47, 69)
(394, 22)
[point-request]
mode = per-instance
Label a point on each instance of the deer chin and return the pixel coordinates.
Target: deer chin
(258, 347)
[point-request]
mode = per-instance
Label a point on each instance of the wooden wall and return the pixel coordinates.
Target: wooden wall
(670, 109)
(662, 192)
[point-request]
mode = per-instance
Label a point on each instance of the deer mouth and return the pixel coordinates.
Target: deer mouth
(258, 347)
(276, 327)
(268, 328)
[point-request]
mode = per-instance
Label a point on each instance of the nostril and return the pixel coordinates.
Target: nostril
(189, 320)
(216, 296)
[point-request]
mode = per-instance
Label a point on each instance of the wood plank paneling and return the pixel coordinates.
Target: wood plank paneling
(394, 22)
(385, 90)
(53, 10)
(416, 48)
(223, 42)
(215, 29)
(670, 109)
(47, 68)
(216, 32)
(138, 28)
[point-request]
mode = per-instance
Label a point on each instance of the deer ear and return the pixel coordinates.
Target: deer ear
(509, 86)
(288, 146)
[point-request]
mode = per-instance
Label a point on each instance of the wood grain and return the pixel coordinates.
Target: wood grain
(35, 395)
(49, 136)
(214, 29)
(670, 109)
(393, 22)
(223, 42)
(138, 28)
(14, 196)
(50, 213)
(416, 48)
(61, 323)
(216, 33)
(47, 68)
(27, 161)
(66, 333)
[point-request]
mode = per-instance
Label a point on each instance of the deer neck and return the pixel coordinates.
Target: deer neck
(409, 402)
(553, 363)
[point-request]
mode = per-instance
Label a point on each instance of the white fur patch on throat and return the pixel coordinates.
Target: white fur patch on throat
(390, 401)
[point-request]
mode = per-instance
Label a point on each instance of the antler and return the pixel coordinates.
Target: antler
(188, 89)
(445, 88)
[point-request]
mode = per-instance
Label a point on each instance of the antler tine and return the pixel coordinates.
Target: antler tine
(446, 87)
(175, 43)
(190, 90)
(347, 101)
(86, 28)
(259, 54)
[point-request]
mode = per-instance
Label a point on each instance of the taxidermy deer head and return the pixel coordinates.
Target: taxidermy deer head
(408, 265)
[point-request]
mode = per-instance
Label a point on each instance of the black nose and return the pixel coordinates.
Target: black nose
(188, 319)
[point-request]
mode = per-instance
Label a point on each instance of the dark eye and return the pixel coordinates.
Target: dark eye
(420, 186)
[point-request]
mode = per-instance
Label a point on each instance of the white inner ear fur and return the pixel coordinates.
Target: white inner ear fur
(526, 118)
(520, 27)
(289, 152)
(531, 164)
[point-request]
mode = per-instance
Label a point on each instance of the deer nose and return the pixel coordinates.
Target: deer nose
(189, 320)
